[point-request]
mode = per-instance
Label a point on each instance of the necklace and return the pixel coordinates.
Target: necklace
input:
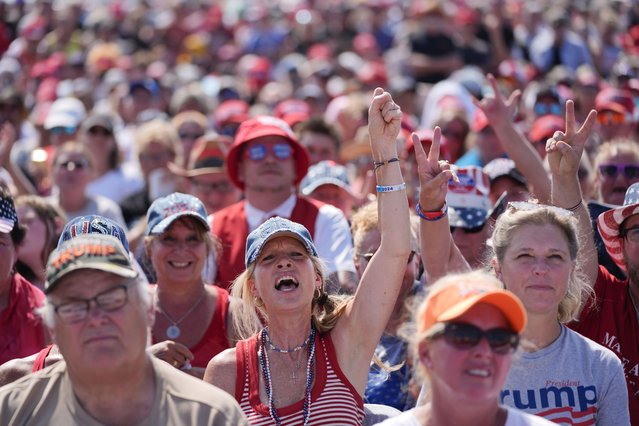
(173, 331)
(262, 354)
(285, 351)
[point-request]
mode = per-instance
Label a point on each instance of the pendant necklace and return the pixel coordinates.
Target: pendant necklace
(173, 331)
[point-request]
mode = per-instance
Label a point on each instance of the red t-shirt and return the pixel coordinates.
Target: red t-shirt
(611, 322)
(21, 330)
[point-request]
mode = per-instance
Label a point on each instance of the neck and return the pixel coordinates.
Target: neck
(267, 200)
(179, 296)
(72, 202)
(289, 332)
(124, 396)
(444, 413)
(541, 330)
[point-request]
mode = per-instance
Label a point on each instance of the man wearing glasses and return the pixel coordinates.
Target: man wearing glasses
(98, 309)
(267, 162)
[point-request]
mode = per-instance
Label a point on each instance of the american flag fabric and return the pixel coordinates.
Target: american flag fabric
(468, 202)
(608, 223)
(8, 216)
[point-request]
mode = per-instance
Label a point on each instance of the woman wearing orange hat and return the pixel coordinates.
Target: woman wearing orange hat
(467, 333)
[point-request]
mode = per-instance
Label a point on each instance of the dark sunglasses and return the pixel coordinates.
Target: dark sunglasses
(474, 230)
(99, 131)
(368, 256)
(72, 165)
(258, 152)
(611, 170)
(190, 136)
(68, 130)
(465, 336)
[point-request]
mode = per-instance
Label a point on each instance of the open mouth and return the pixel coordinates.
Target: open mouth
(478, 372)
(286, 284)
(179, 265)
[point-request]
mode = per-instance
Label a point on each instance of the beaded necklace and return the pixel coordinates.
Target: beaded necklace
(285, 351)
(262, 354)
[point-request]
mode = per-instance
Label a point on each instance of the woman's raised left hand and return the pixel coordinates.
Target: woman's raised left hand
(384, 123)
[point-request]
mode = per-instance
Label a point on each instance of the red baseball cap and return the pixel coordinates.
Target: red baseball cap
(293, 111)
(231, 111)
(617, 100)
(258, 127)
(545, 126)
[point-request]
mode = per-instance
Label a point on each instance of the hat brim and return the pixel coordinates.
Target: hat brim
(608, 223)
(503, 300)
(302, 160)
(307, 190)
(310, 249)
(121, 271)
(163, 225)
(60, 120)
(456, 217)
(180, 171)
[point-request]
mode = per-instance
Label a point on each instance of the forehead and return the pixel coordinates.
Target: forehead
(547, 236)
(621, 157)
(71, 155)
(212, 177)
(85, 283)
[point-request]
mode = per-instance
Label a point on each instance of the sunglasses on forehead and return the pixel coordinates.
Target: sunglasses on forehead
(611, 170)
(258, 152)
(464, 336)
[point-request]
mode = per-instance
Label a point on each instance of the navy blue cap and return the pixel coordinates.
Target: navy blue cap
(93, 224)
(273, 228)
(147, 84)
(167, 209)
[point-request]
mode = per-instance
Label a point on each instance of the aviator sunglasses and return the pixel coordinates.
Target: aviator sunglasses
(611, 170)
(465, 336)
(258, 152)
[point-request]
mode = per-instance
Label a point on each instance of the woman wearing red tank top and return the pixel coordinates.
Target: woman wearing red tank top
(190, 315)
(309, 364)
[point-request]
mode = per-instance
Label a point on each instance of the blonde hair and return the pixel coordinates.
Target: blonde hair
(511, 220)
(158, 131)
(326, 309)
(367, 218)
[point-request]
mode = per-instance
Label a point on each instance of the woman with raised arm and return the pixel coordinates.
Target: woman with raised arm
(309, 364)
(561, 375)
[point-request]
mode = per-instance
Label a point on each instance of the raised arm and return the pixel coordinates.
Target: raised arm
(439, 253)
(564, 152)
(360, 327)
(499, 112)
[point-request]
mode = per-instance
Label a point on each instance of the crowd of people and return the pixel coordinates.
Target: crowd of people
(412, 212)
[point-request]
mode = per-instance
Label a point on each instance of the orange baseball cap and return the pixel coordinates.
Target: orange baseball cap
(455, 300)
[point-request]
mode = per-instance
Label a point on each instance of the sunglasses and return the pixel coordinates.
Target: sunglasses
(368, 256)
(465, 336)
(72, 165)
(258, 152)
(611, 117)
(68, 130)
(611, 170)
(99, 131)
(528, 206)
(190, 136)
(474, 230)
(546, 109)
(631, 234)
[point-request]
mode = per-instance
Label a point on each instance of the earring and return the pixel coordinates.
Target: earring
(258, 301)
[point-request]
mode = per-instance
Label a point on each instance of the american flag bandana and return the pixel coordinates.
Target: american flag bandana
(8, 216)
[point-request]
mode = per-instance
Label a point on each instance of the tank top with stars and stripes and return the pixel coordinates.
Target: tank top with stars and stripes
(334, 401)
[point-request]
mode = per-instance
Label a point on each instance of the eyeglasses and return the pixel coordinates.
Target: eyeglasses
(212, 187)
(611, 170)
(71, 165)
(99, 131)
(546, 109)
(474, 230)
(465, 336)
(368, 256)
(78, 309)
(258, 152)
(611, 117)
(528, 206)
(190, 136)
(68, 130)
(631, 234)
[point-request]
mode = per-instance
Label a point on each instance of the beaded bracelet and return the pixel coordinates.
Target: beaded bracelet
(377, 165)
(390, 188)
(431, 216)
(575, 207)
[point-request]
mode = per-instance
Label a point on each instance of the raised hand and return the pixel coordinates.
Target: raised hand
(564, 149)
(384, 123)
(496, 107)
(434, 173)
